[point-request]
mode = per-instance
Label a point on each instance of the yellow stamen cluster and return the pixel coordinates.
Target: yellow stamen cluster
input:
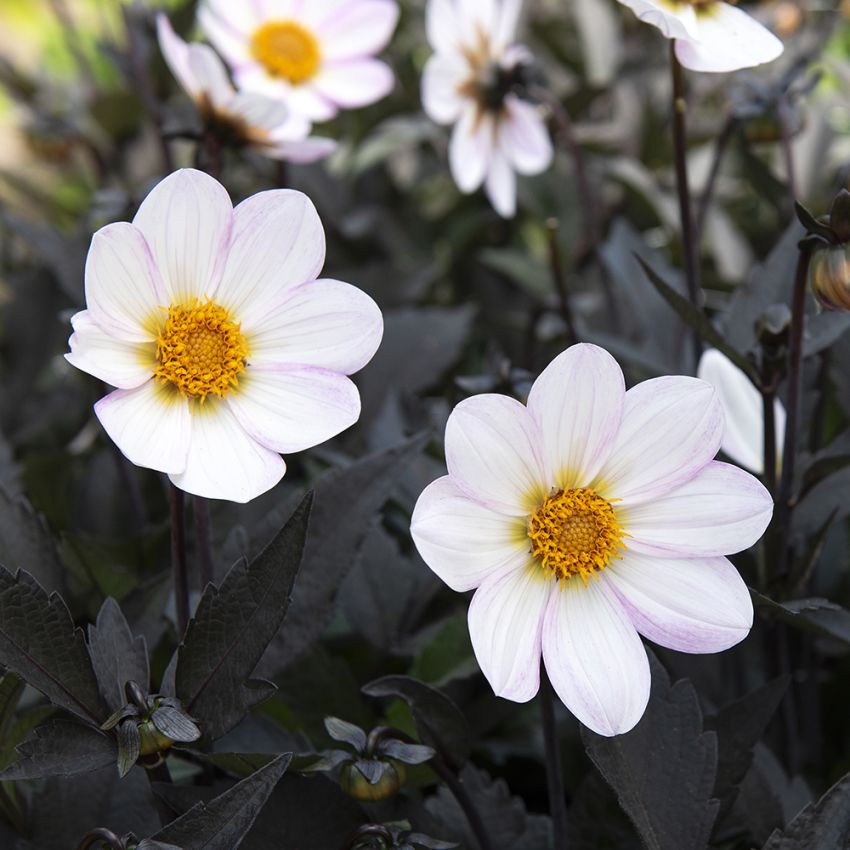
(575, 532)
(287, 50)
(200, 350)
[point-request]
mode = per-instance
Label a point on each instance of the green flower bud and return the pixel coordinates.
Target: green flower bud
(388, 778)
(829, 276)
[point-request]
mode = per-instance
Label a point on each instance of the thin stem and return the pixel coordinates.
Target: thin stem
(783, 112)
(178, 559)
(680, 149)
(464, 800)
(203, 535)
(768, 396)
(558, 279)
(720, 145)
(554, 772)
(208, 156)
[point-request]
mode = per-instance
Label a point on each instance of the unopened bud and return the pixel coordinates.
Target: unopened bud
(829, 276)
(380, 783)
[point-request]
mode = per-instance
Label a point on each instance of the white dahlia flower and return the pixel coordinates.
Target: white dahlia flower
(474, 81)
(585, 519)
(317, 56)
(225, 348)
(256, 120)
(743, 436)
(710, 35)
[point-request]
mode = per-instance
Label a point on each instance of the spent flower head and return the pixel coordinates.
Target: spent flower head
(585, 519)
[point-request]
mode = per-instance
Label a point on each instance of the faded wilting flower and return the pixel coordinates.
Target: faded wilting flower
(475, 80)
(587, 518)
(710, 35)
(316, 56)
(743, 436)
(256, 120)
(224, 347)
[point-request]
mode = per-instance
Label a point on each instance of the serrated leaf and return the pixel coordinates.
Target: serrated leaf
(39, 642)
(61, 748)
(174, 724)
(240, 765)
(232, 628)
(129, 746)
(222, 823)
(824, 825)
(439, 721)
(348, 733)
(117, 656)
(663, 771)
(812, 615)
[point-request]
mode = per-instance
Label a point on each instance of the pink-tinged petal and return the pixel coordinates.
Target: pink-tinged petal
(728, 39)
(743, 434)
(151, 425)
(577, 403)
(301, 151)
(441, 79)
(678, 22)
(186, 219)
(278, 243)
(721, 511)
(212, 78)
(442, 25)
(461, 540)
(358, 29)
(594, 657)
(258, 111)
(524, 137)
(289, 409)
(125, 293)
(123, 364)
(324, 323)
(354, 82)
(224, 461)
(471, 149)
(229, 27)
(500, 185)
(671, 429)
(697, 605)
(492, 452)
(505, 622)
(175, 51)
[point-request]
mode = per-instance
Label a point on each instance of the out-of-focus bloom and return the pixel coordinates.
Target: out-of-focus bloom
(710, 35)
(743, 435)
(315, 56)
(587, 518)
(256, 120)
(225, 349)
(474, 80)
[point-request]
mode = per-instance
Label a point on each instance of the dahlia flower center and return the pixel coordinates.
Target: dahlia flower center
(287, 50)
(201, 350)
(575, 532)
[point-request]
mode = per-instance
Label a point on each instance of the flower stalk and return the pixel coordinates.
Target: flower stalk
(178, 559)
(203, 535)
(554, 772)
(458, 789)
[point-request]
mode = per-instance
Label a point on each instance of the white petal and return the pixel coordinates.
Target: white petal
(209, 71)
(594, 657)
(678, 22)
(524, 137)
(492, 452)
(123, 364)
(323, 323)
(278, 243)
(258, 111)
(124, 291)
(302, 151)
(150, 424)
(442, 25)
(577, 403)
(697, 605)
(501, 185)
(463, 541)
(187, 219)
(505, 623)
(442, 76)
(175, 51)
(355, 82)
(229, 27)
(721, 511)
(359, 28)
(224, 461)
(727, 39)
(671, 429)
(289, 409)
(743, 434)
(505, 27)
(470, 149)
(475, 19)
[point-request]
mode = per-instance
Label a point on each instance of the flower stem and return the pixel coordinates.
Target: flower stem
(178, 559)
(554, 773)
(458, 789)
(689, 246)
(557, 269)
(203, 535)
(720, 145)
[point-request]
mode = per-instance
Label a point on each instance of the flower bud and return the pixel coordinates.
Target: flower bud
(388, 778)
(829, 276)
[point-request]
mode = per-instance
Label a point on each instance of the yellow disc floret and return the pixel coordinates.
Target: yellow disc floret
(287, 50)
(200, 350)
(575, 532)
